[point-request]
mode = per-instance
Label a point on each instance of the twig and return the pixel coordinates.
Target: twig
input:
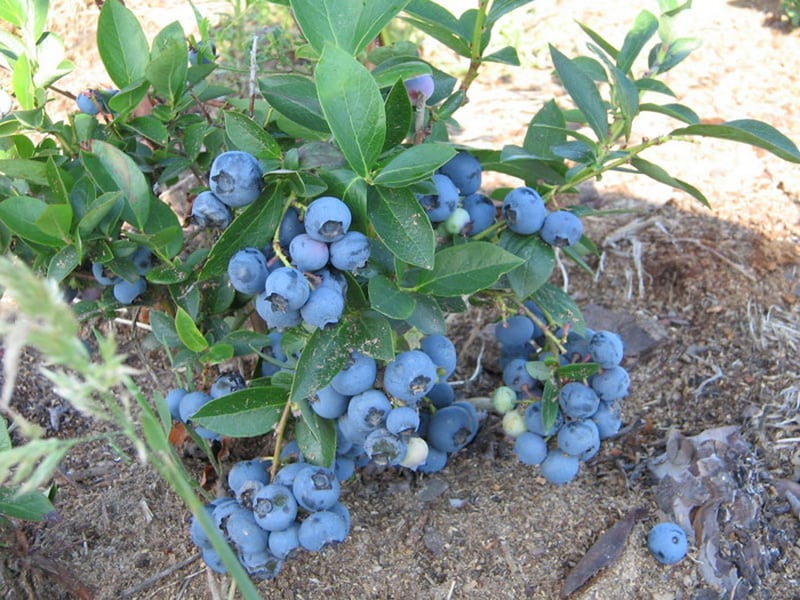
(253, 71)
(151, 581)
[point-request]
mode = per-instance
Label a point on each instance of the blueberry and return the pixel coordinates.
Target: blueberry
(410, 376)
(355, 434)
(142, 260)
(562, 228)
(275, 352)
(351, 252)
(102, 276)
(235, 178)
(524, 210)
(434, 462)
(579, 438)
(559, 468)
(315, 488)
(291, 452)
(576, 346)
(324, 306)
(441, 395)
(578, 401)
(290, 227)
(307, 253)
(606, 349)
(530, 448)
(516, 376)
(419, 88)
(245, 533)
(246, 493)
(261, 565)
(205, 52)
(191, 403)
(126, 291)
(196, 532)
(247, 271)
(481, 212)
(227, 383)
(442, 352)
(287, 473)
(667, 542)
(321, 529)
(357, 376)
(611, 384)
(173, 400)
(451, 428)
(368, 410)
(341, 510)
(384, 447)
(465, 172)
(90, 102)
(276, 319)
(274, 507)
(256, 469)
(212, 560)
(328, 403)
(286, 289)
(533, 420)
(284, 541)
(440, 205)
(327, 219)
(607, 420)
(514, 331)
(402, 419)
(344, 467)
(208, 211)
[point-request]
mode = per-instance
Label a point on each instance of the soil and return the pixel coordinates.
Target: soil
(708, 300)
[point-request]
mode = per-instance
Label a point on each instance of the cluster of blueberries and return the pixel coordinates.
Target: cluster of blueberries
(462, 209)
(587, 412)
(126, 290)
(265, 522)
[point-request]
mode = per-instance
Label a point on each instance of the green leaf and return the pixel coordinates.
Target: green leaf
(388, 72)
(577, 371)
(466, 269)
(295, 97)
(328, 21)
(20, 168)
(399, 115)
(676, 111)
(538, 266)
(20, 214)
(371, 334)
(644, 27)
(56, 220)
(323, 356)
(188, 332)
(315, 436)
(388, 300)
(253, 227)
(558, 307)
(664, 57)
(128, 178)
(748, 131)
(549, 405)
(625, 92)
(353, 107)
(414, 164)
(169, 63)
(31, 506)
(659, 174)
(22, 83)
(122, 44)
(428, 316)
(164, 228)
(402, 225)
(375, 15)
(505, 56)
(539, 370)
(107, 207)
(64, 262)
(545, 130)
(5, 439)
(151, 128)
(164, 329)
(600, 41)
(128, 98)
(246, 413)
(502, 7)
(245, 134)
(583, 92)
(648, 84)
(438, 23)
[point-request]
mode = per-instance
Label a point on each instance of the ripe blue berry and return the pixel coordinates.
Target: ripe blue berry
(440, 205)
(441, 394)
(419, 88)
(514, 331)
(212, 560)
(235, 178)
(316, 488)
(410, 376)
(606, 349)
(516, 376)
(368, 410)
(208, 211)
(481, 212)
(290, 227)
(402, 419)
(607, 420)
(442, 352)
(667, 542)
(321, 529)
(384, 447)
(126, 291)
(452, 428)
(261, 565)
(327, 219)
(245, 533)
(256, 469)
(324, 306)
(465, 172)
(284, 541)
(102, 275)
(307, 253)
(287, 473)
(533, 420)
(328, 403)
(142, 260)
(173, 400)
(579, 438)
(562, 228)
(274, 507)
(357, 376)
(531, 449)
(434, 462)
(559, 468)
(611, 384)
(247, 271)
(90, 102)
(227, 383)
(578, 401)
(351, 252)
(286, 289)
(524, 210)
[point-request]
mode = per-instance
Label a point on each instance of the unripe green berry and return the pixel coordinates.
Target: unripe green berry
(514, 424)
(457, 220)
(504, 399)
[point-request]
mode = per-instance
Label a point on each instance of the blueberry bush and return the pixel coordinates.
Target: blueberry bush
(331, 227)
